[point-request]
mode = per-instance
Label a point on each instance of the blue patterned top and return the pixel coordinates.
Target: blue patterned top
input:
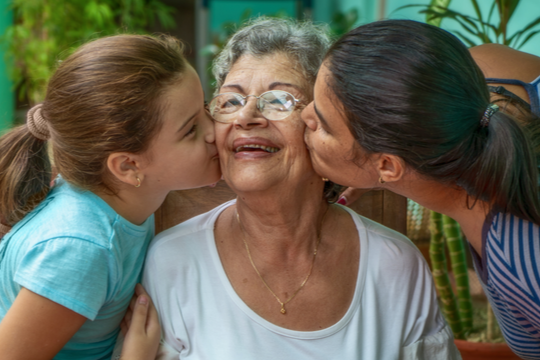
(510, 275)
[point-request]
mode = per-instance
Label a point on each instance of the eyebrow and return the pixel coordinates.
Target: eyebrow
(323, 121)
(234, 86)
(277, 83)
(272, 86)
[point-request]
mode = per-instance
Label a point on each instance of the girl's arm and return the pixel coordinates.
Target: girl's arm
(36, 328)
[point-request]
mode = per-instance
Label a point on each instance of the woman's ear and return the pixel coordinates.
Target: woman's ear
(390, 167)
(126, 167)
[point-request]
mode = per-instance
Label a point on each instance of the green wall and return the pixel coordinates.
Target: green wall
(7, 98)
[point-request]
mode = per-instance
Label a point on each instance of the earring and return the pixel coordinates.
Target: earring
(138, 182)
(325, 179)
(381, 180)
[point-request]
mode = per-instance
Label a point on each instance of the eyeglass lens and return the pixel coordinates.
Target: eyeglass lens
(273, 105)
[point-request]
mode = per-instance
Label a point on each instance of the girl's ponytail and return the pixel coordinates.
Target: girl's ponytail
(25, 168)
(506, 172)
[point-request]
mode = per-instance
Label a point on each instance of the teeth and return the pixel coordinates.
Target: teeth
(255, 146)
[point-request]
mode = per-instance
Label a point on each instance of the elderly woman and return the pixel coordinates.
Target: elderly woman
(280, 273)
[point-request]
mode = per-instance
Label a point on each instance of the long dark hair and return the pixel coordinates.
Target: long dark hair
(414, 91)
(104, 98)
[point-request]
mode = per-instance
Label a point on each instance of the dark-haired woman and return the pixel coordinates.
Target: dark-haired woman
(402, 106)
(126, 122)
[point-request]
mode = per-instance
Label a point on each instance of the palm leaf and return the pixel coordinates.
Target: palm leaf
(520, 33)
(437, 5)
(528, 38)
(465, 39)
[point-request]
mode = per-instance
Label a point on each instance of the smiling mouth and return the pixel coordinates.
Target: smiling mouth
(254, 147)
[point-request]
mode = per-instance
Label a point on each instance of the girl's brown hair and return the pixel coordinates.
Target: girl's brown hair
(102, 99)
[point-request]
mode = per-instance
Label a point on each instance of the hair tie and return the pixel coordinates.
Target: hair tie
(37, 125)
(490, 110)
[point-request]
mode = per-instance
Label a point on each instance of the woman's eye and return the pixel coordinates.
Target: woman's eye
(231, 103)
(191, 131)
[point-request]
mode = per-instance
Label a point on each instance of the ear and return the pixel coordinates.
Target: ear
(126, 167)
(391, 168)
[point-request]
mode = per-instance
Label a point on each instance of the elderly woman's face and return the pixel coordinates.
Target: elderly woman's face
(256, 153)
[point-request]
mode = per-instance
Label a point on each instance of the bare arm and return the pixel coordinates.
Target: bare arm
(36, 328)
(500, 61)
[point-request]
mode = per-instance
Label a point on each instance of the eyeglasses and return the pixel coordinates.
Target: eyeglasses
(273, 105)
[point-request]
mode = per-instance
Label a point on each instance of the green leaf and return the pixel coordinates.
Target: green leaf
(530, 36)
(466, 39)
(437, 6)
(517, 35)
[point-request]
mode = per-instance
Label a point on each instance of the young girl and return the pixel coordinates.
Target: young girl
(125, 121)
(402, 106)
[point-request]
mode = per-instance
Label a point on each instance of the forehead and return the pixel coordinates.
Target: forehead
(253, 73)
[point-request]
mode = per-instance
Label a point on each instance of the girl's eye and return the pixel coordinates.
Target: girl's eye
(191, 131)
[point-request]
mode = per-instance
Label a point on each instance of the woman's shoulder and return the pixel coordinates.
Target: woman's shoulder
(187, 236)
(387, 247)
(379, 234)
(503, 227)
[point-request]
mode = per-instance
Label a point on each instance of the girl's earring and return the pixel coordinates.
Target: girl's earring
(381, 180)
(325, 179)
(138, 182)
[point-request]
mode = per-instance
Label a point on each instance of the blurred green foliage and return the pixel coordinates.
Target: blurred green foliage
(47, 31)
(343, 22)
(482, 29)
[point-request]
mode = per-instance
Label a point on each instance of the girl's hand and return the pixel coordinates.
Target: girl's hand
(141, 328)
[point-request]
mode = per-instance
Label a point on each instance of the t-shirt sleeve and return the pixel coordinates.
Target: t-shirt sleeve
(69, 271)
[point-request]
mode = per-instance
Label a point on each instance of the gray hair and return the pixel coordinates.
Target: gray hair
(303, 41)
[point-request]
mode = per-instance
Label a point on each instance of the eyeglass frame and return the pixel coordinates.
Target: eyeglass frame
(296, 101)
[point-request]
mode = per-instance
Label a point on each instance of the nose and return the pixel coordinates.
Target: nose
(308, 117)
(250, 116)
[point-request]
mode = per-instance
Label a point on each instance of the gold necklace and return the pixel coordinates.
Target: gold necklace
(282, 303)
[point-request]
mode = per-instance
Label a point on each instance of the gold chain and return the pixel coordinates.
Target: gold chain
(282, 303)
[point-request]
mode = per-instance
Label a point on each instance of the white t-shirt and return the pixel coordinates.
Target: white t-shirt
(393, 314)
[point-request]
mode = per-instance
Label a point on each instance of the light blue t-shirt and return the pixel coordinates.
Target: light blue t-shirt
(75, 250)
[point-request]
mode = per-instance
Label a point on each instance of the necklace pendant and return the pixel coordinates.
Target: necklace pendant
(283, 311)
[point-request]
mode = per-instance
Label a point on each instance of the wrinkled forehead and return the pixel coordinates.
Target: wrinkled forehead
(255, 75)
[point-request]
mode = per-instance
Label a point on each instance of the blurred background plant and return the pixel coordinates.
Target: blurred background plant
(343, 21)
(482, 29)
(46, 31)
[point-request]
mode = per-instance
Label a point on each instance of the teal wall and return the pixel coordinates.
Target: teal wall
(222, 11)
(7, 98)
(367, 9)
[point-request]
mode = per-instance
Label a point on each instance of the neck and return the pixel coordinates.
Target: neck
(283, 221)
(447, 200)
(134, 204)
